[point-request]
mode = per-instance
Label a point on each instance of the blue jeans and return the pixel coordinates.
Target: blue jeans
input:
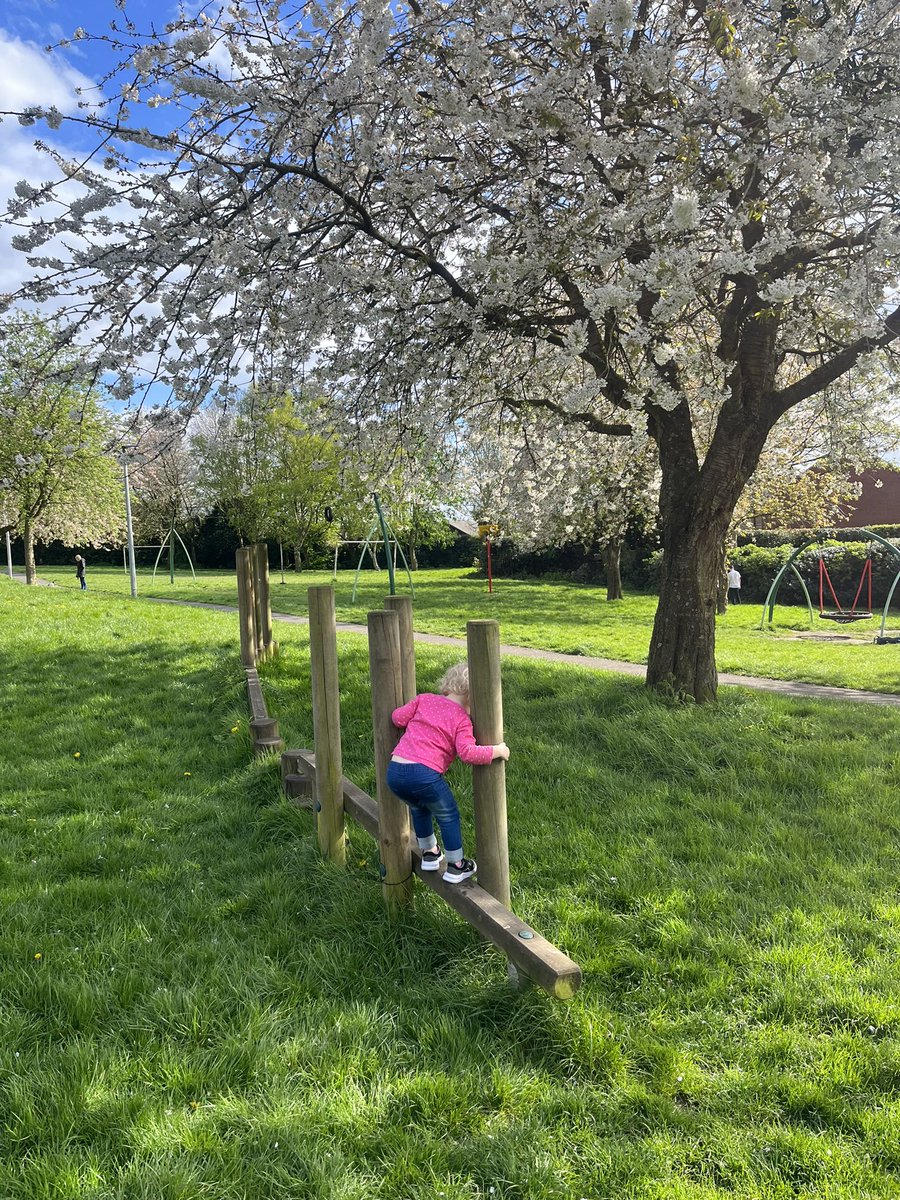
(430, 799)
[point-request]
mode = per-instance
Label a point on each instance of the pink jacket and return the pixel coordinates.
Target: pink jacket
(437, 731)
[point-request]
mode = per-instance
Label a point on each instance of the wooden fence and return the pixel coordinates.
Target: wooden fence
(315, 779)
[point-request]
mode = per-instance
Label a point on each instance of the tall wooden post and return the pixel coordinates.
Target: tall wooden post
(489, 782)
(246, 606)
(393, 816)
(402, 606)
(262, 599)
(329, 794)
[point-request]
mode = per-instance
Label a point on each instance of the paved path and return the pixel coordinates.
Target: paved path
(39, 582)
(782, 687)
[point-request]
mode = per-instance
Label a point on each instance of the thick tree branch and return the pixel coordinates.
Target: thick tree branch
(827, 373)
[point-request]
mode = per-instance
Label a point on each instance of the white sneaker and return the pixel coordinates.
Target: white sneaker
(431, 860)
(457, 872)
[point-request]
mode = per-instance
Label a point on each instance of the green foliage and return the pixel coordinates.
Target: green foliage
(56, 479)
(193, 1004)
(273, 474)
(844, 562)
(796, 537)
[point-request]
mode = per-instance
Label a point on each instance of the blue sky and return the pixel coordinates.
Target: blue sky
(31, 76)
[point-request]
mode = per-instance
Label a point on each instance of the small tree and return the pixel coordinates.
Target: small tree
(57, 480)
(302, 478)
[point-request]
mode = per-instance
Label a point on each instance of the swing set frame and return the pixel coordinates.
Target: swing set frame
(838, 614)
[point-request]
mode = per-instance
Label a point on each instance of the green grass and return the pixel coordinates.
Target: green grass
(193, 1005)
(568, 617)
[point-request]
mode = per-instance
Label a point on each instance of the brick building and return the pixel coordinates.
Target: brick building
(878, 502)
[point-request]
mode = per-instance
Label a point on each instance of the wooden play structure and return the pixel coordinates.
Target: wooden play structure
(314, 778)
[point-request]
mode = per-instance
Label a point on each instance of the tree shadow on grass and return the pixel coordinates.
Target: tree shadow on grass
(194, 995)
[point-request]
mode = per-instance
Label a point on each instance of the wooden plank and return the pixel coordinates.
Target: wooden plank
(540, 960)
(361, 807)
(543, 963)
(255, 695)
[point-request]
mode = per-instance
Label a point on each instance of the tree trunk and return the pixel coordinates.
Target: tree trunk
(413, 560)
(28, 541)
(696, 506)
(683, 644)
(613, 551)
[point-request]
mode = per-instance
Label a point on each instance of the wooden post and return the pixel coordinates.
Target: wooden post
(489, 782)
(329, 795)
(402, 606)
(260, 561)
(394, 833)
(246, 606)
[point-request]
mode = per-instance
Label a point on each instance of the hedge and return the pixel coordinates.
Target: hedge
(844, 562)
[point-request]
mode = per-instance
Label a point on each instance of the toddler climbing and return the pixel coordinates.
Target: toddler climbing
(437, 729)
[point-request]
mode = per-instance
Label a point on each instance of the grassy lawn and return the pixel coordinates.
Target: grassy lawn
(572, 618)
(194, 1007)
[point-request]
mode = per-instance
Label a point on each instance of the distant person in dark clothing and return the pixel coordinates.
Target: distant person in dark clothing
(79, 572)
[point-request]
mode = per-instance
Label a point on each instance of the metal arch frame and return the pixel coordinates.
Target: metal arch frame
(769, 602)
(387, 536)
(184, 548)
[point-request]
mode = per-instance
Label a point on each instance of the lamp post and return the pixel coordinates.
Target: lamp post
(130, 531)
(9, 569)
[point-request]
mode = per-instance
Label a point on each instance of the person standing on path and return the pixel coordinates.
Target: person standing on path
(79, 572)
(437, 730)
(734, 585)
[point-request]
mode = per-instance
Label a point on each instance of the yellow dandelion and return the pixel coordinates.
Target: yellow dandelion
(187, 774)
(363, 862)
(38, 956)
(77, 754)
(235, 728)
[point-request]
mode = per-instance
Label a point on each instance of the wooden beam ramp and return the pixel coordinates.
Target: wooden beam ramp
(263, 728)
(541, 961)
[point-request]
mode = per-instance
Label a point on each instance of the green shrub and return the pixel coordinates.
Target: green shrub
(844, 562)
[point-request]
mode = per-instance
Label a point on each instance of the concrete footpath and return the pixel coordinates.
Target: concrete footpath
(782, 687)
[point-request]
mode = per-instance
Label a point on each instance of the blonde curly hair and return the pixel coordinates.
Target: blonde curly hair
(455, 681)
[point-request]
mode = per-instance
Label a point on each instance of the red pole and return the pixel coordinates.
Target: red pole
(490, 576)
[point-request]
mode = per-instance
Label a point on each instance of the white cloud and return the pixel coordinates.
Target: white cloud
(31, 76)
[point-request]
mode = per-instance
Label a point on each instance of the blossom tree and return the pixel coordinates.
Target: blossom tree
(544, 486)
(163, 475)
(692, 204)
(57, 480)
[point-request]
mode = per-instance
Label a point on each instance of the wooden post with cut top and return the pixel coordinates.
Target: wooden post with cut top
(329, 795)
(263, 604)
(394, 834)
(488, 782)
(246, 605)
(402, 606)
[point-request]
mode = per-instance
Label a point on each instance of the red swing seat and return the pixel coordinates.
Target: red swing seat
(843, 616)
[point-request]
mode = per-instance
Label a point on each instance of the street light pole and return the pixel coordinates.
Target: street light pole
(9, 569)
(130, 531)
